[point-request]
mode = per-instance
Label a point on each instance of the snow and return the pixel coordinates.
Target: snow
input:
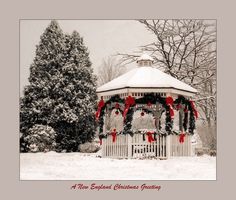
(82, 166)
(145, 57)
(146, 77)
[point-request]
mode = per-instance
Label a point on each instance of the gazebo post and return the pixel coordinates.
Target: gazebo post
(129, 137)
(107, 117)
(129, 146)
(157, 114)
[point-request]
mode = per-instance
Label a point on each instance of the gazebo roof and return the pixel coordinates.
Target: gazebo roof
(146, 77)
(145, 57)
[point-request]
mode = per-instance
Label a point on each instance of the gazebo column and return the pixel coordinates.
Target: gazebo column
(107, 124)
(157, 115)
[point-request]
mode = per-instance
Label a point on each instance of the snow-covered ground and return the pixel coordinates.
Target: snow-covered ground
(80, 166)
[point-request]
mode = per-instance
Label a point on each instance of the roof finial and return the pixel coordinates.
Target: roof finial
(145, 60)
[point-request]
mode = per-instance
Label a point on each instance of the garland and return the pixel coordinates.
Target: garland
(115, 102)
(128, 121)
(185, 123)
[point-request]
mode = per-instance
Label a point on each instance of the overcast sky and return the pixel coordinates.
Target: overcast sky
(102, 37)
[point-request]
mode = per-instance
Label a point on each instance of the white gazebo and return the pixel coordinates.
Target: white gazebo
(151, 90)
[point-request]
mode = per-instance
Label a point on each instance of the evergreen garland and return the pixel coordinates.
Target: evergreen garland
(128, 121)
(185, 122)
(192, 125)
(153, 99)
(101, 120)
(169, 121)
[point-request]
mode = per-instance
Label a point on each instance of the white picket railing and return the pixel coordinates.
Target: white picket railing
(118, 149)
(180, 149)
(126, 146)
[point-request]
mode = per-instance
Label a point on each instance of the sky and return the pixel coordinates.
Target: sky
(102, 37)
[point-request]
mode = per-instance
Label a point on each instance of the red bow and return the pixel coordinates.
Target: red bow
(169, 102)
(194, 109)
(149, 104)
(181, 137)
(185, 109)
(117, 106)
(130, 101)
(100, 105)
(178, 106)
(150, 138)
(113, 133)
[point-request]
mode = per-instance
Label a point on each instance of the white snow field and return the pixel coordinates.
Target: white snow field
(81, 166)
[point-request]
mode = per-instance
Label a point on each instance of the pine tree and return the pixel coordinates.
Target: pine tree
(61, 93)
(37, 104)
(80, 96)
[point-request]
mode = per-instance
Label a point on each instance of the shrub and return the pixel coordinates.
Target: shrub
(212, 153)
(89, 147)
(41, 138)
(199, 151)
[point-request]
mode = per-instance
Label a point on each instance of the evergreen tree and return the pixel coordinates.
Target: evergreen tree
(37, 104)
(61, 93)
(75, 123)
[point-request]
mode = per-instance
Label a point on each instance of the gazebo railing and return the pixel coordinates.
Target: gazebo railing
(164, 147)
(180, 149)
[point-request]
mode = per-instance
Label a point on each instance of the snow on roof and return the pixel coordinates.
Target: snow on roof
(145, 77)
(145, 57)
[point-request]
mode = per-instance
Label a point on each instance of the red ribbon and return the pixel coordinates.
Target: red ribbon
(178, 106)
(194, 109)
(150, 138)
(117, 106)
(185, 109)
(149, 104)
(181, 137)
(169, 102)
(100, 106)
(113, 133)
(100, 141)
(130, 101)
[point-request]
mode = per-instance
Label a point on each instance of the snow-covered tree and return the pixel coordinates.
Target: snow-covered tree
(186, 49)
(75, 109)
(110, 69)
(37, 104)
(61, 93)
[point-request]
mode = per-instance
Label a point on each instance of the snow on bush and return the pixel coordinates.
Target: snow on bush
(41, 138)
(89, 147)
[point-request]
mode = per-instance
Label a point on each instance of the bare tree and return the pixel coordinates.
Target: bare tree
(110, 69)
(186, 49)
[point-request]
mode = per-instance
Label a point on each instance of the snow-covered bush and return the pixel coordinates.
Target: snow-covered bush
(41, 138)
(89, 147)
(199, 151)
(212, 153)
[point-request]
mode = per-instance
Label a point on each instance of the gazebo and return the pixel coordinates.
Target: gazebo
(151, 91)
